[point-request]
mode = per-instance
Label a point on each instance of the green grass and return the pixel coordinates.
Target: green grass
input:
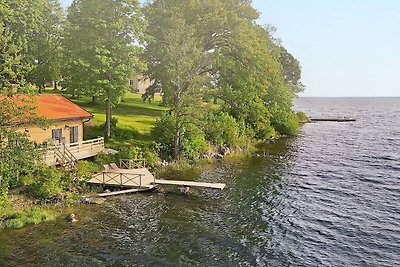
(31, 216)
(132, 114)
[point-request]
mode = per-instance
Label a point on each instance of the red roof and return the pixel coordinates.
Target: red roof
(57, 107)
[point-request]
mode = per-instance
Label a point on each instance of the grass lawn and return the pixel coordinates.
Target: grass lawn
(133, 115)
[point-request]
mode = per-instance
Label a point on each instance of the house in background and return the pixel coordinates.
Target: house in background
(139, 84)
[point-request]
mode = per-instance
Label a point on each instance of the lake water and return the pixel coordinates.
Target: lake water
(329, 197)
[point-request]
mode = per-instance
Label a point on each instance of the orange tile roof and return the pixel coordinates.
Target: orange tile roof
(57, 107)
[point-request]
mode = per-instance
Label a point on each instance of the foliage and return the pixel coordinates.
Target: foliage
(28, 32)
(193, 143)
(222, 129)
(291, 71)
(216, 49)
(85, 170)
(18, 159)
(45, 46)
(163, 134)
(49, 182)
(302, 117)
(32, 216)
(101, 51)
(5, 205)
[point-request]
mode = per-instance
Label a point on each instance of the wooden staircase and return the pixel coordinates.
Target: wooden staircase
(65, 158)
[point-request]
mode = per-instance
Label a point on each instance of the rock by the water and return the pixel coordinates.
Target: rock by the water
(71, 218)
(93, 200)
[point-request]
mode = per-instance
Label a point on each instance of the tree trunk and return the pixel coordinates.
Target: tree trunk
(55, 85)
(108, 121)
(176, 138)
(95, 99)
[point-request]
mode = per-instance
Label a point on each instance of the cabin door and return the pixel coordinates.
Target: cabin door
(73, 134)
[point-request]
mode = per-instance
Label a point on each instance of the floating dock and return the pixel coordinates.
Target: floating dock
(332, 119)
(139, 180)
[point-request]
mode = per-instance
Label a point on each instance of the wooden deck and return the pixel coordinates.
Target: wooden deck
(128, 178)
(81, 150)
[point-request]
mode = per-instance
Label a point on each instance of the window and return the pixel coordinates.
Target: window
(56, 135)
(73, 134)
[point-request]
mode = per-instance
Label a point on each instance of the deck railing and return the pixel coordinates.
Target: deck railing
(79, 150)
(117, 179)
(132, 163)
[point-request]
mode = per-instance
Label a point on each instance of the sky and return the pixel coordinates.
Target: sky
(345, 47)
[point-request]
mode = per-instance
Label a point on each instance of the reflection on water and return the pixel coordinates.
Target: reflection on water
(329, 197)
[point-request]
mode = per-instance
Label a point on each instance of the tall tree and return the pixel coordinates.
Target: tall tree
(45, 45)
(177, 64)
(102, 48)
(225, 53)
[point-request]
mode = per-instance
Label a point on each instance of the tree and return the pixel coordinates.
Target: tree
(45, 46)
(18, 156)
(29, 42)
(177, 65)
(291, 71)
(102, 48)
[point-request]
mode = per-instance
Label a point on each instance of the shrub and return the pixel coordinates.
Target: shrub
(102, 159)
(5, 205)
(223, 130)
(85, 169)
(129, 152)
(302, 117)
(49, 182)
(193, 143)
(288, 124)
(163, 133)
(151, 157)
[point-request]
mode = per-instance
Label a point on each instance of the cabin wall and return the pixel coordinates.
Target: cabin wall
(39, 135)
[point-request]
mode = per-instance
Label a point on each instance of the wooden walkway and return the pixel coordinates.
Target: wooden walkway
(190, 184)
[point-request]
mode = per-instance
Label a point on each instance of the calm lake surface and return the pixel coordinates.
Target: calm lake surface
(329, 197)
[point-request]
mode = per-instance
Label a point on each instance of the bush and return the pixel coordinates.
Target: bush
(151, 157)
(163, 133)
(129, 152)
(49, 182)
(5, 205)
(223, 130)
(287, 125)
(30, 216)
(85, 170)
(302, 117)
(193, 143)
(103, 159)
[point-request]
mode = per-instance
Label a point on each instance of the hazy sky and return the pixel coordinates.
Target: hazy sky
(345, 47)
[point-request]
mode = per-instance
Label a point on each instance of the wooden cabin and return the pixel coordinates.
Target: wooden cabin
(66, 120)
(63, 139)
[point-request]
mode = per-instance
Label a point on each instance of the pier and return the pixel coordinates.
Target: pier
(138, 180)
(332, 119)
